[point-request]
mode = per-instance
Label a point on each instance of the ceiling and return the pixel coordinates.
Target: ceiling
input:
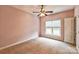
(54, 8)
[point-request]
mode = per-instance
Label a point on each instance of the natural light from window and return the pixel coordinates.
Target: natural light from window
(53, 27)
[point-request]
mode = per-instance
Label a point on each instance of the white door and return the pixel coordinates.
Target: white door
(77, 32)
(69, 30)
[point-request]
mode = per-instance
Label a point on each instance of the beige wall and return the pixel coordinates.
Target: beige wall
(16, 25)
(61, 15)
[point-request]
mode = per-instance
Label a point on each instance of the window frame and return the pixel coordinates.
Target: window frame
(54, 27)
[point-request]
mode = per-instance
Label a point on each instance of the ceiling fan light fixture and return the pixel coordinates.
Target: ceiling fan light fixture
(42, 14)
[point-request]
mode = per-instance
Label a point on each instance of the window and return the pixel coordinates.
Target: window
(53, 27)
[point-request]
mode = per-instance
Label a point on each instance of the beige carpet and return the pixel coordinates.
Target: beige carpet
(41, 46)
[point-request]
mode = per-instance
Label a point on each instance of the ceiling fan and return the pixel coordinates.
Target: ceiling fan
(43, 12)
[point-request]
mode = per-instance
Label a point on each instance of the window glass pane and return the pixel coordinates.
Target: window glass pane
(56, 23)
(49, 23)
(48, 30)
(57, 31)
(53, 27)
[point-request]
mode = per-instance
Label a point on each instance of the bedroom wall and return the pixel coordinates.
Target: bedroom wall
(60, 15)
(16, 26)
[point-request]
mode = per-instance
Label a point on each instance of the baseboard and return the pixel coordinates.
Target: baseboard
(16, 43)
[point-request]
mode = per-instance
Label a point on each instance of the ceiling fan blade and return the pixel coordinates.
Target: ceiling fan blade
(36, 12)
(49, 11)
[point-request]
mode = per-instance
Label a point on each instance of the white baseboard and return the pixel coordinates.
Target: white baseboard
(15, 43)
